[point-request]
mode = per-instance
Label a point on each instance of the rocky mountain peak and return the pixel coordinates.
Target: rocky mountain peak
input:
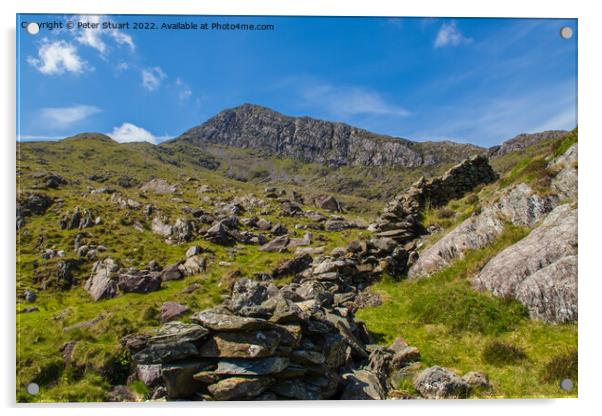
(311, 140)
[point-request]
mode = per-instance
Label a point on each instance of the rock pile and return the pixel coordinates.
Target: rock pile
(108, 278)
(298, 341)
(78, 219)
(400, 218)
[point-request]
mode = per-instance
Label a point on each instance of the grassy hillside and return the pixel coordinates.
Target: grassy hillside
(42, 334)
(454, 326)
(450, 324)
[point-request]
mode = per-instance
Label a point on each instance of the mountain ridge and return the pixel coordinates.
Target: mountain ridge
(312, 140)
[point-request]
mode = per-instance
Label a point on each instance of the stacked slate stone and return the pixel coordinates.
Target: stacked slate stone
(400, 218)
(299, 341)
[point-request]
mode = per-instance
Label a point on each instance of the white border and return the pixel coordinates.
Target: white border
(590, 71)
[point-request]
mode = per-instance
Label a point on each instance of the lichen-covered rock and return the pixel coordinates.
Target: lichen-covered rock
(540, 270)
(518, 205)
(159, 186)
(440, 383)
(565, 183)
(102, 283)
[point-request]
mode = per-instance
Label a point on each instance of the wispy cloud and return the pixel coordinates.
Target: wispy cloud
(184, 91)
(95, 37)
(450, 35)
(350, 101)
(490, 120)
(64, 117)
(152, 78)
(56, 58)
(129, 132)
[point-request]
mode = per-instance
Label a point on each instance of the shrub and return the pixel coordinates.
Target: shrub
(560, 367)
(502, 353)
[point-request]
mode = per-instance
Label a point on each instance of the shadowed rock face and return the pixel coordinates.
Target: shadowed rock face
(311, 140)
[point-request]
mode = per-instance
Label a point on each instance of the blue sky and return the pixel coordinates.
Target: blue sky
(480, 81)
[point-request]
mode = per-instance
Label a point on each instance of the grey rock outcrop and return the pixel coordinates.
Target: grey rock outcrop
(519, 205)
(159, 186)
(102, 283)
(540, 270)
(565, 183)
(440, 383)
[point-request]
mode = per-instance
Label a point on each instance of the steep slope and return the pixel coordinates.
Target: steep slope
(311, 140)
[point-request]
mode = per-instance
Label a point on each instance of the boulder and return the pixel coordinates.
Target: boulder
(139, 281)
(193, 251)
(102, 283)
(477, 380)
(159, 186)
(362, 385)
(239, 388)
(263, 224)
(193, 265)
(171, 311)
(172, 272)
(293, 266)
(329, 203)
(149, 374)
(277, 245)
(219, 234)
(440, 383)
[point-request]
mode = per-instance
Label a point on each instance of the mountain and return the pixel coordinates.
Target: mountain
(524, 140)
(316, 141)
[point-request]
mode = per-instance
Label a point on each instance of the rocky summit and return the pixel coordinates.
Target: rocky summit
(311, 140)
(267, 257)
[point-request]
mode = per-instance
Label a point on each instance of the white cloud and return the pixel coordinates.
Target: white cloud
(184, 91)
(152, 78)
(122, 38)
(129, 132)
(58, 57)
(349, 101)
(94, 37)
(449, 34)
(62, 117)
(91, 37)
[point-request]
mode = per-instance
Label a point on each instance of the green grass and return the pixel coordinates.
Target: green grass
(452, 325)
